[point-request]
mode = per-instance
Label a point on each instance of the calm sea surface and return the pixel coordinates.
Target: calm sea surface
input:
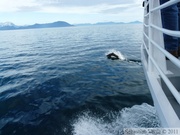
(59, 82)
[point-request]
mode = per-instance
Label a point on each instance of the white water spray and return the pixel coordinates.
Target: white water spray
(118, 53)
(138, 116)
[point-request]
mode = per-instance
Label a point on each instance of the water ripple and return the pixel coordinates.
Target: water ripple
(48, 77)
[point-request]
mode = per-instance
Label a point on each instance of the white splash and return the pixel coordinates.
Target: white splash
(138, 116)
(118, 53)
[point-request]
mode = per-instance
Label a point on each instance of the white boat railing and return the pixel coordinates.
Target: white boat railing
(153, 43)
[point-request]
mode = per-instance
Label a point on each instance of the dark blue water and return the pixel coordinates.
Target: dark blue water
(59, 82)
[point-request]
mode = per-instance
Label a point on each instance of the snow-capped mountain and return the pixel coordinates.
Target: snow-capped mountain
(12, 26)
(7, 24)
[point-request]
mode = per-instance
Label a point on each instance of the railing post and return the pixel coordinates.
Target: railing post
(150, 66)
(157, 36)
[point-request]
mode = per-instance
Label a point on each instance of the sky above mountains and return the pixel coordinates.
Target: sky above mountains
(22, 12)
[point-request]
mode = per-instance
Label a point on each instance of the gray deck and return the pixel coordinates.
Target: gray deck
(175, 79)
(173, 69)
(172, 100)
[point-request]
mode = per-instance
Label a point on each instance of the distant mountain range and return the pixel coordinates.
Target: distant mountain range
(108, 23)
(11, 26)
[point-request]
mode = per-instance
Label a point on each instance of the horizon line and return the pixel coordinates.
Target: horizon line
(74, 23)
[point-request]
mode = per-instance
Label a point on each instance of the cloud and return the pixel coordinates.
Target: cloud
(29, 8)
(96, 9)
(117, 9)
(93, 2)
(75, 11)
(16, 5)
(67, 6)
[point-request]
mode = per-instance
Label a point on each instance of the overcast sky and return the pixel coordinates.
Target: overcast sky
(22, 12)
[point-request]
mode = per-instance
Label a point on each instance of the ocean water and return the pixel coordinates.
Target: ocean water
(58, 81)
